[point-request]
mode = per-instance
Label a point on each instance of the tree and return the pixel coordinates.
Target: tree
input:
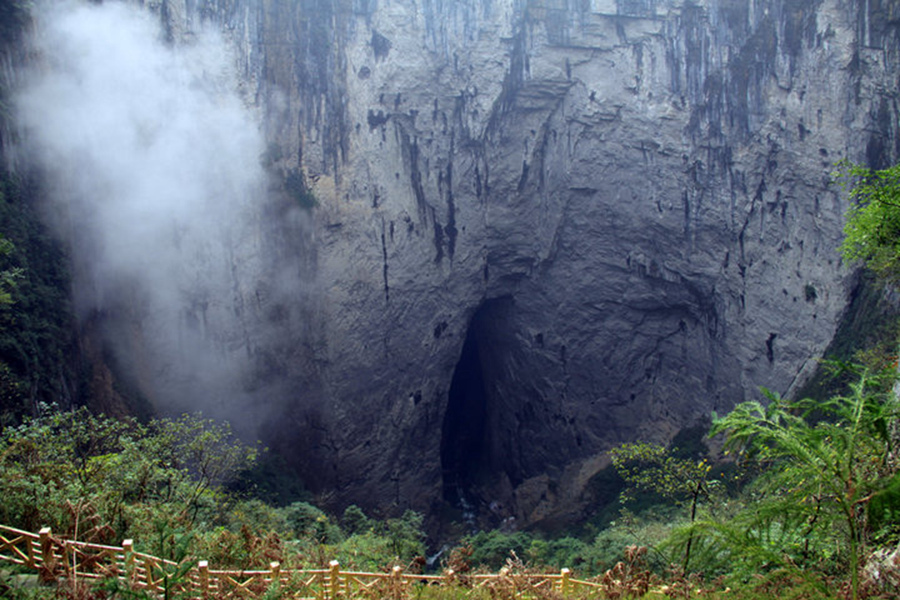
(202, 455)
(653, 468)
(872, 230)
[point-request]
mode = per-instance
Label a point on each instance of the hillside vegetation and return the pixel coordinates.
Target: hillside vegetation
(808, 500)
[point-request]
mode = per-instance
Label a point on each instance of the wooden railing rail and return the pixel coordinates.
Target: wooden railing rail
(57, 558)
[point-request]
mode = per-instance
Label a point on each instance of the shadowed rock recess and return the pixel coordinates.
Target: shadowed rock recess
(545, 227)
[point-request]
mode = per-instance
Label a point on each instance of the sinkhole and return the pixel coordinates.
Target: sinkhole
(467, 433)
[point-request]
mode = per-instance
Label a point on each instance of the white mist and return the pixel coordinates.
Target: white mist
(153, 165)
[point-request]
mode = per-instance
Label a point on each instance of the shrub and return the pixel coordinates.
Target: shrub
(308, 521)
(823, 463)
(490, 549)
(124, 475)
(355, 520)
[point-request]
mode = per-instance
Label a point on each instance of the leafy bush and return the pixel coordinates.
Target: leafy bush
(883, 512)
(308, 521)
(366, 551)
(64, 467)
(164, 484)
(823, 463)
(490, 549)
(650, 528)
(355, 520)
(405, 534)
(557, 553)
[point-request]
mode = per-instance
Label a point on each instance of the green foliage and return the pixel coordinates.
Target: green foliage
(296, 188)
(371, 544)
(367, 543)
(490, 549)
(558, 553)
(174, 545)
(828, 487)
(35, 318)
(355, 520)
(822, 463)
(867, 335)
(366, 551)
(258, 516)
(647, 467)
(405, 534)
(115, 476)
(872, 230)
(649, 528)
(15, 586)
(690, 442)
(205, 453)
(14, 19)
(308, 521)
(273, 480)
(883, 512)
(655, 469)
(164, 484)
(8, 275)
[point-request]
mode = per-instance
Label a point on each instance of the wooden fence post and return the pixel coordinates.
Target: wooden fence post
(334, 579)
(564, 582)
(203, 567)
(275, 568)
(128, 551)
(397, 581)
(46, 547)
(30, 548)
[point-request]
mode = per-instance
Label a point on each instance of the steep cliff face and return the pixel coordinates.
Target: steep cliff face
(545, 227)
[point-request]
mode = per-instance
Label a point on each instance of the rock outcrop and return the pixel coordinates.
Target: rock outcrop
(545, 227)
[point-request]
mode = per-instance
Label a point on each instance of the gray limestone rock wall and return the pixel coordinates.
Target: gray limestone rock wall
(545, 227)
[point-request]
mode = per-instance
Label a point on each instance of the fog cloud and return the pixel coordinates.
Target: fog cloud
(154, 167)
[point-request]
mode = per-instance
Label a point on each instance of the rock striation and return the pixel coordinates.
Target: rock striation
(545, 227)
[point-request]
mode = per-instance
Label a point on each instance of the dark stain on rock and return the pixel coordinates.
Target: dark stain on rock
(410, 149)
(438, 242)
(380, 45)
(451, 230)
(524, 177)
(387, 292)
(376, 119)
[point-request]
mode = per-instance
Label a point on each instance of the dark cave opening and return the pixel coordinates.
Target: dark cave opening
(464, 442)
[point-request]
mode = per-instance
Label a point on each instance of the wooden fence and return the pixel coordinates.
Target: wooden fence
(56, 558)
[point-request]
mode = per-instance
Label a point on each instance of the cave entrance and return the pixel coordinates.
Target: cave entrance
(463, 431)
(466, 432)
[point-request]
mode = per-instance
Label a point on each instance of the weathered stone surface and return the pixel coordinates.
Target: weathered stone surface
(625, 204)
